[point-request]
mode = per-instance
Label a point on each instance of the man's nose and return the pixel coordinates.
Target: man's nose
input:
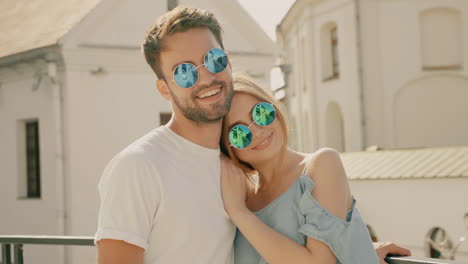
(205, 76)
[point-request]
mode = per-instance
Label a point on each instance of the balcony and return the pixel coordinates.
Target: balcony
(18, 241)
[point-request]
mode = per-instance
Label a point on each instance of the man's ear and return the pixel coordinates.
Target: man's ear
(163, 89)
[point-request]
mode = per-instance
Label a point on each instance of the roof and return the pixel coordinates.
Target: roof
(32, 24)
(448, 162)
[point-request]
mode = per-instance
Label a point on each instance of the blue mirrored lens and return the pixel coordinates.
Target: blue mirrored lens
(186, 75)
(215, 60)
(263, 114)
(240, 136)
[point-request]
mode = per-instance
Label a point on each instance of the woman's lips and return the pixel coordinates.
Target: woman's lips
(265, 143)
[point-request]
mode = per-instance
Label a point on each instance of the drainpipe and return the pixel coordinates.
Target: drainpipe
(360, 74)
(59, 160)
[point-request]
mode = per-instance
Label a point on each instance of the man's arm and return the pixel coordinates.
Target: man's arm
(112, 251)
(129, 195)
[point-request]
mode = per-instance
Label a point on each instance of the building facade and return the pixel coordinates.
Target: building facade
(406, 195)
(376, 72)
(392, 74)
(75, 89)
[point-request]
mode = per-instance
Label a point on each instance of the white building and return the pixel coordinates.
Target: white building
(404, 194)
(75, 90)
(376, 72)
(391, 73)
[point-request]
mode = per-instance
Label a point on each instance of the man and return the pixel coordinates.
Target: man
(160, 197)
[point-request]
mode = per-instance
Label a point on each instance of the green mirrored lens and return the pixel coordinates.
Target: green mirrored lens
(240, 136)
(263, 114)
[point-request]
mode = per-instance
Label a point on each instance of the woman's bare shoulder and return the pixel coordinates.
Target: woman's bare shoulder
(321, 160)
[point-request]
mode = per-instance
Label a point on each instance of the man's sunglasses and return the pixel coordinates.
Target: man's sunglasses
(263, 114)
(186, 75)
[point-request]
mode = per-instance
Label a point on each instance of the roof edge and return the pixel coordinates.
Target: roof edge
(48, 53)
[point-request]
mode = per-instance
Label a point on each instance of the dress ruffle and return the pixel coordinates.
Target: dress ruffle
(337, 233)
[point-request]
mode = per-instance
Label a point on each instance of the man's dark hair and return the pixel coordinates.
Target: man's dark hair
(179, 19)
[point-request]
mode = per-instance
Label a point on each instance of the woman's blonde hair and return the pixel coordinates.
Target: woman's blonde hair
(242, 83)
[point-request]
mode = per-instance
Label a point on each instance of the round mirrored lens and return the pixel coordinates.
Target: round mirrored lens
(240, 136)
(186, 75)
(216, 60)
(263, 114)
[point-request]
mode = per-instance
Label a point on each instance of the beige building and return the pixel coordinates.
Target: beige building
(376, 72)
(405, 194)
(391, 73)
(74, 90)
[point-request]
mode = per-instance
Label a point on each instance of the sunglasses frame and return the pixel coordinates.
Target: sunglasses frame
(274, 108)
(196, 67)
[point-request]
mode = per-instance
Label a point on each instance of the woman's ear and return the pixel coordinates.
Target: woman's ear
(163, 89)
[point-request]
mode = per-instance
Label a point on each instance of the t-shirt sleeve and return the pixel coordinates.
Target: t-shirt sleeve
(130, 195)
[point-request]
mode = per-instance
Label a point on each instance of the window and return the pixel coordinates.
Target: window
(334, 51)
(164, 118)
(438, 244)
(441, 39)
(329, 52)
(171, 4)
(29, 162)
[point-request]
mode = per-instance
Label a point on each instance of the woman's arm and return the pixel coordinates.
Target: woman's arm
(271, 245)
(331, 190)
(276, 248)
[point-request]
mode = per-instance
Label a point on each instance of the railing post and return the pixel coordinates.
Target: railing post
(18, 253)
(6, 254)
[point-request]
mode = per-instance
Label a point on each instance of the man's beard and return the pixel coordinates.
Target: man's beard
(195, 113)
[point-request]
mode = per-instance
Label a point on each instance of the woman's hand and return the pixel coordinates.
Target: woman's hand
(385, 248)
(233, 186)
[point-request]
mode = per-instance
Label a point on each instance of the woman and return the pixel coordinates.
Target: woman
(289, 207)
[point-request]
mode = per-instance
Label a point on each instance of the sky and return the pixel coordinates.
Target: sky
(267, 13)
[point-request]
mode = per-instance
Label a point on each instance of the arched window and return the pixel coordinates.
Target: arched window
(441, 39)
(438, 243)
(329, 51)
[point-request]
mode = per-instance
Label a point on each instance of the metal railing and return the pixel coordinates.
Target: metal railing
(19, 241)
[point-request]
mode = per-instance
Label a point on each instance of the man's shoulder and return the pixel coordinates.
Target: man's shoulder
(153, 142)
(147, 148)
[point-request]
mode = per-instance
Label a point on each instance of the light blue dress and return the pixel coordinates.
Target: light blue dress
(297, 215)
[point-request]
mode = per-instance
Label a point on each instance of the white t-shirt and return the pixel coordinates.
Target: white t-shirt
(162, 193)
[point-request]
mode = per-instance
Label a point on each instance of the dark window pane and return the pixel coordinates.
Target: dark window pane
(334, 45)
(32, 159)
(164, 118)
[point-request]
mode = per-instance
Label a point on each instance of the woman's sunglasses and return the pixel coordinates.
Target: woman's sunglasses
(263, 114)
(186, 74)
